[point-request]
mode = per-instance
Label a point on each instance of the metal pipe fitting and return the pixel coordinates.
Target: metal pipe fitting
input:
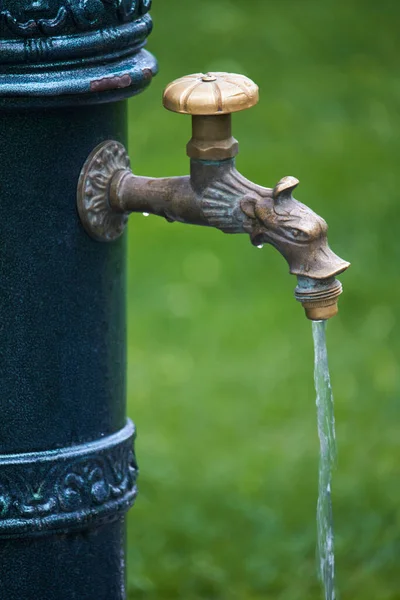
(212, 138)
(319, 297)
(215, 194)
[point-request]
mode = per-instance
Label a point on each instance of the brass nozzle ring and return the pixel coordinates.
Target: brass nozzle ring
(320, 302)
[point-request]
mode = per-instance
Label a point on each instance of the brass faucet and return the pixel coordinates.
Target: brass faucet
(215, 194)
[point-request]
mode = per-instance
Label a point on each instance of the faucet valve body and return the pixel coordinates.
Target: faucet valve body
(211, 99)
(215, 194)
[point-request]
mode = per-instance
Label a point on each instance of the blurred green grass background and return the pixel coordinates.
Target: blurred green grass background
(220, 354)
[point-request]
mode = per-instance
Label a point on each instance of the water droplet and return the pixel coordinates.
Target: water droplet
(260, 246)
(146, 214)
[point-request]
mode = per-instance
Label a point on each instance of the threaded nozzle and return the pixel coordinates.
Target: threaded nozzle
(319, 297)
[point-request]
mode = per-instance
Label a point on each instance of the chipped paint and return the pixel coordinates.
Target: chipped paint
(111, 83)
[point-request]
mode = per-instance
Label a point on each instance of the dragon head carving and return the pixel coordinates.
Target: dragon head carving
(297, 232)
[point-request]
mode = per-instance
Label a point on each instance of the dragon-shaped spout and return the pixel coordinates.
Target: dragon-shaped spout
(234, 204)
(294, 229)
(217, 195)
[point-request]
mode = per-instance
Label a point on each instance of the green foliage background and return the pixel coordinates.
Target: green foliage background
(220, 355)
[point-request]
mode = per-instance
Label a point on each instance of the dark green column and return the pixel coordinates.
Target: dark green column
(67, 467)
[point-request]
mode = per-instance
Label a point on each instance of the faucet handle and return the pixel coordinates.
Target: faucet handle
(210, 99)
(210, 94)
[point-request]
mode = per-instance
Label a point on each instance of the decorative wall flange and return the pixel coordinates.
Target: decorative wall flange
(69, 488)
(98, 218)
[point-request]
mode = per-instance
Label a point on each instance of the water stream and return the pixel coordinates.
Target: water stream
(326, 433)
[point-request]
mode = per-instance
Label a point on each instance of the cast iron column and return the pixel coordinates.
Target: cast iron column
(67, 468)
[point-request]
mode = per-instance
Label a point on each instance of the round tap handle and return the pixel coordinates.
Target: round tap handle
(210, 99)
(210, 94)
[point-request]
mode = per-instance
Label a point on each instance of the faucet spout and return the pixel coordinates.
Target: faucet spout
(217, 195)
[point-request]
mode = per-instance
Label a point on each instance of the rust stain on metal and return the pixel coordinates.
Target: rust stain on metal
(110, 83)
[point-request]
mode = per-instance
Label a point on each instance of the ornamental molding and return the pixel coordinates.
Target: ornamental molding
(37, 18)
(68, 488)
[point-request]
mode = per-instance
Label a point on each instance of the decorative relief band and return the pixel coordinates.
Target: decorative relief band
(67, 52)
(67, 489)
(36, 18)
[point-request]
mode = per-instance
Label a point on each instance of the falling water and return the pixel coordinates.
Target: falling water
(326, 432)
